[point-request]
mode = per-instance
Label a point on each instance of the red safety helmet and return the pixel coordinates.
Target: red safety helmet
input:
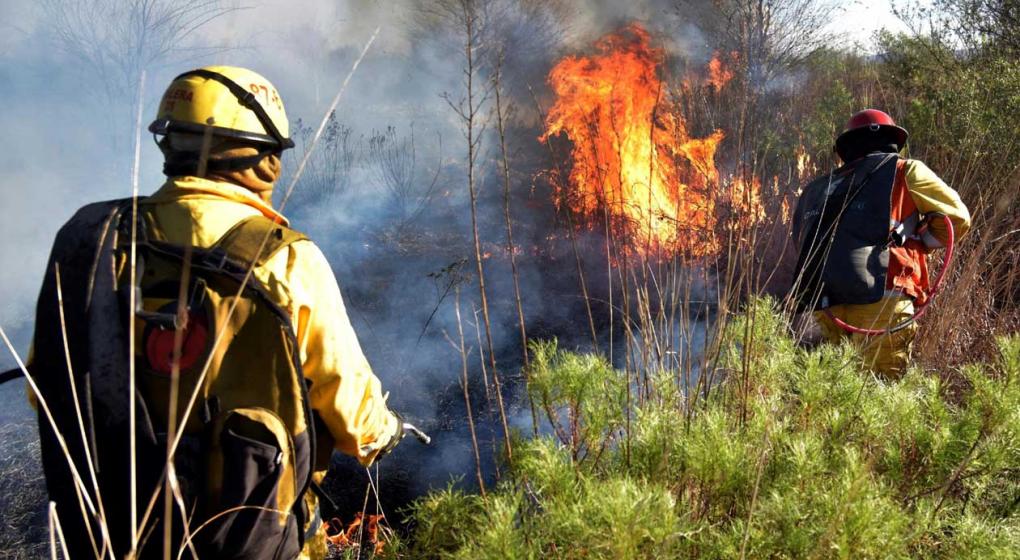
(867, 122)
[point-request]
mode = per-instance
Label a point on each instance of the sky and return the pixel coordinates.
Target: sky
(863, 18)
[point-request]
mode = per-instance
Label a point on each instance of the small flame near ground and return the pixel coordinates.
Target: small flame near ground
(636, 167)
(342, 538)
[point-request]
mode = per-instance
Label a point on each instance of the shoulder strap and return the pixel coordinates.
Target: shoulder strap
(11, 375)
(243, 241)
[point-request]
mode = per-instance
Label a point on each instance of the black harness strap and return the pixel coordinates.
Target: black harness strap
(11, 375)
(326, 503)
(254, 241)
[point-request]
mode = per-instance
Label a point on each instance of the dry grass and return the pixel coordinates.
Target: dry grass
(23, 533)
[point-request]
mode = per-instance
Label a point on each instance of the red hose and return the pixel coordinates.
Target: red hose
(950, 242)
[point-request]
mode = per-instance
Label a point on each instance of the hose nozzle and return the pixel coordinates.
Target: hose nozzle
(418, 434)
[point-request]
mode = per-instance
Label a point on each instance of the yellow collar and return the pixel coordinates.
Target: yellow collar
(178, 188)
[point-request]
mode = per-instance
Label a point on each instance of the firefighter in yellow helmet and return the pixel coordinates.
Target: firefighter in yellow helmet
(223, 130)
(863, 233)
(243, 350)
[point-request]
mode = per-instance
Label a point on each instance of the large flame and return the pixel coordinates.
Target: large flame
(635, 165)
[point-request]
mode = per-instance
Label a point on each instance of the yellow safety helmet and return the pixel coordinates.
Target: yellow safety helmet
(227, 102)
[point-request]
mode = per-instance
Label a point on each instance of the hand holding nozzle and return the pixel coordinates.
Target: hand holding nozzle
(418, 434)
(405, 428)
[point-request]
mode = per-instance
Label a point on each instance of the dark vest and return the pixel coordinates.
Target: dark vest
(841, 227)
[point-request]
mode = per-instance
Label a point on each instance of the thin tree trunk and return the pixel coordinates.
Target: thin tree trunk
(469, 48)
(501, 123)
(481, 357)
(467, 393)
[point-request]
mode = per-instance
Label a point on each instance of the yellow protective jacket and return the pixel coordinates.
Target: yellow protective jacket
(930, 194)
(918, 190)
(344, 392)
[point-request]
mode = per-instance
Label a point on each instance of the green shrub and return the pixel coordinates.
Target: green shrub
(795, 454)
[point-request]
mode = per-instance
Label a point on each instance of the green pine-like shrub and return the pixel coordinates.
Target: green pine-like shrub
(795, 453)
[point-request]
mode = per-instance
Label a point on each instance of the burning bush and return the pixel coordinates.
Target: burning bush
(636, 166)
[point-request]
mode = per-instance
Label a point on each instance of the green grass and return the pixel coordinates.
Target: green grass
(805, 456)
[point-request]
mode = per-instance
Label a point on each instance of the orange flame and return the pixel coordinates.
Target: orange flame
(348, 538)
(635, 164)
(746, 200)
(718, 73)
(805, 166)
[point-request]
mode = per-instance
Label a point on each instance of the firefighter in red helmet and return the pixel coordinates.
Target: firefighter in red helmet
(863, 232)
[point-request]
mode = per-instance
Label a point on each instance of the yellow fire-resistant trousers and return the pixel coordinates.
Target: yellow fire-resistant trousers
(887, 355)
